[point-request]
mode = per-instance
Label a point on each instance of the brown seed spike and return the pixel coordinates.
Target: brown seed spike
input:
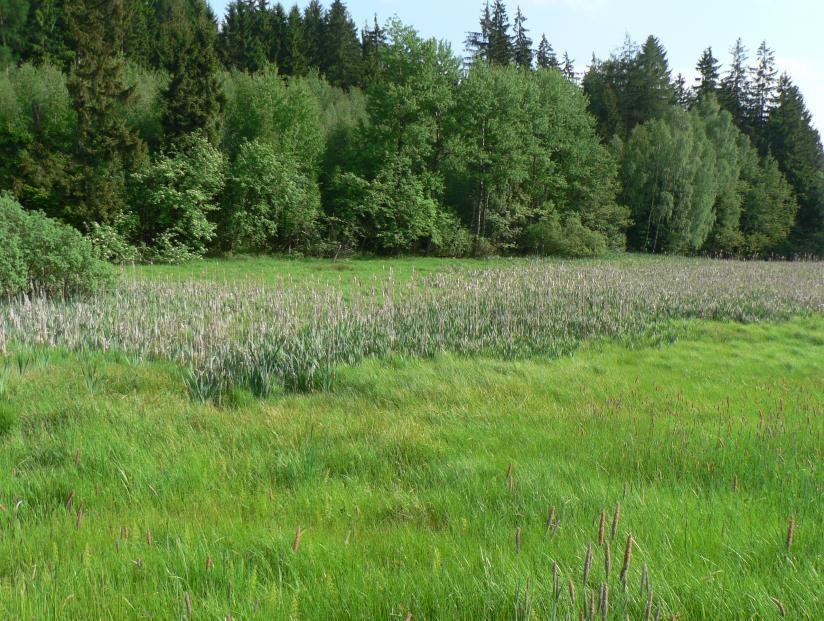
(550, 519)
(782, 610)
(607, 559)
(790, 532)
(79, 522)
(408, 617)
(209, 563)
(604, 601)
(298, 538)
(188, 604)
(517, 540)
(70, 500)
(509, 479)
(602, 527)
(571, 593)
(627, 560)
(149, 538)
(616, 518)
(587, 563)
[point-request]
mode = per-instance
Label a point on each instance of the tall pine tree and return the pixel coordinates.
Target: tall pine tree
(546, 57)
(500, 40)
(105, 148)
(796, 144)
(762, 94)
(342, 59)
(193, 99)
(477, 42)
(522, 43)
(708, 78)
(735, 88)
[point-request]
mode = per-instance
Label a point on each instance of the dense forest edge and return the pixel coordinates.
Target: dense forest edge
(162, 133)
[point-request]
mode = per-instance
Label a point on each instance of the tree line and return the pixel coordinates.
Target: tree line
(163, 134)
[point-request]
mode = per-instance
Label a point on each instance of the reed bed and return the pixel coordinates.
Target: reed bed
(291, 338)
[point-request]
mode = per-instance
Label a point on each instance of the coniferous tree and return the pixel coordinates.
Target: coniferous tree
(105, 149)
(522, 43)
(13, 16)
(762, 95)
(708, 78)
(568, 69)
(735, 87)
(796, 144)
(49, 34)
(342, 59)
(294, 58)
(683, 96)
(650, 90)
(546, 57)
(373, 42)
(193, 99)
(477, 42)
(500, 51)
(277, 35)
(314, 27)
(241, 38)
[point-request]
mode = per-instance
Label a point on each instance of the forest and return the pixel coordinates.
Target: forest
(162, 133)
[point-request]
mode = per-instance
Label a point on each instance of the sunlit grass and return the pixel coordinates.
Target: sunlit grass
(398, 481)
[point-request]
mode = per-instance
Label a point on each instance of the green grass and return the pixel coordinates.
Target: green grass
(398, 478)
(342, 273)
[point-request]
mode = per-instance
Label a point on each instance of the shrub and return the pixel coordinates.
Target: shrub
(570, 238)
(110, 245)
(272, 203)
(43, 255)
(174, 195)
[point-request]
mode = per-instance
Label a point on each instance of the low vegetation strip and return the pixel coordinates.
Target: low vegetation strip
(268, 339)
(451, 488)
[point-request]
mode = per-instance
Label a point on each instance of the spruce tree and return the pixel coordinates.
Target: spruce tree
(477, 42)
(500, 40)
(568, 69)
(522, 43)
(49, 34)
(796, 144)
(546, 57)
(650, 91)
(294, 57)
(13, 16)
(708, 78)
(105, 148)
(682, 94)
(762, 95)
(277, 35)
(241, 38)
(735, 87)
(193, 99)
(314, 34)
(342, 60)
(373, 42)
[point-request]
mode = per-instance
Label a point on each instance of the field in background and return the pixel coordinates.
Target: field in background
(424, 486)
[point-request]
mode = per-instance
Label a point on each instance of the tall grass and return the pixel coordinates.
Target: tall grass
(269, 338)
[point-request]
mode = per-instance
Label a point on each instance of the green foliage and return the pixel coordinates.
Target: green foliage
(570, 238)
(193, 99)
(670, 183)
(111, 245)
(106, 149)
(271, 203)
(13, 18)
(8, 418)
(173, 196)
(38, 254)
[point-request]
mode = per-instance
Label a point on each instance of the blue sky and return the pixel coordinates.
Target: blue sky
(792, 27)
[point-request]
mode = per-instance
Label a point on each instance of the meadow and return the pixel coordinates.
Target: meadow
(417, 439)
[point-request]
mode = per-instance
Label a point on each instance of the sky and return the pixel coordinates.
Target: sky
(793, 28)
